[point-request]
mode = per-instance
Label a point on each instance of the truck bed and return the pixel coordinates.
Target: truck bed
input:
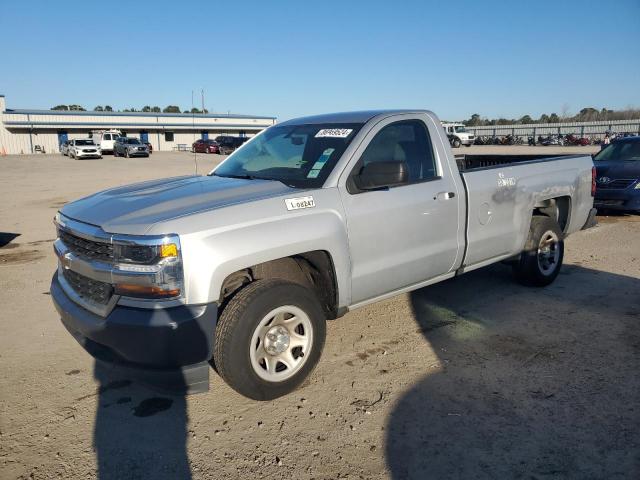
(470, 163)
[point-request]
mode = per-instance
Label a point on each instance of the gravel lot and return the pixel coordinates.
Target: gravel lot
(476, 377)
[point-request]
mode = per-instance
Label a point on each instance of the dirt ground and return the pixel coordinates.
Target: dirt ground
(476, 377)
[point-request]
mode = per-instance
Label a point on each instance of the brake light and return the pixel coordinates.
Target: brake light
(593, 181)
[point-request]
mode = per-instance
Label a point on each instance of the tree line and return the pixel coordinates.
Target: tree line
(588, 114)
(145, 109)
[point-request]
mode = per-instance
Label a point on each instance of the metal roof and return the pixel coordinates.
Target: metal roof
(133, 114)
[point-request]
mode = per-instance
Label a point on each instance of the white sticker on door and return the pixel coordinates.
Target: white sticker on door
(300, 202)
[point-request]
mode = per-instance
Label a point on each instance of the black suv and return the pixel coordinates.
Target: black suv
(228, 144)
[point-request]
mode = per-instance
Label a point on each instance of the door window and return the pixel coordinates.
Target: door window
(405, 141)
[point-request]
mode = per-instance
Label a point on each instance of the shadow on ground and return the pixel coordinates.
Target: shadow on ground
(138, 433)
(535, 383)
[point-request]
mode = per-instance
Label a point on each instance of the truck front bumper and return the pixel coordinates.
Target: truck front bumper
(168, 349)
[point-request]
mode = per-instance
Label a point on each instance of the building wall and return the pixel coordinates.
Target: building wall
(22, 130)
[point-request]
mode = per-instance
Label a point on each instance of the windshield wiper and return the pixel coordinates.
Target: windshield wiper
(241, 177)
(253, 177)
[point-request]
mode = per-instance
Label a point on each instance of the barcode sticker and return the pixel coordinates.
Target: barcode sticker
(334, 133)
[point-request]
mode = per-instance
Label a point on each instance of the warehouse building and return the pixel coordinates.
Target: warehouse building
(30, 131)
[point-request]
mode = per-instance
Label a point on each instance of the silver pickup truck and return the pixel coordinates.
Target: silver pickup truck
(241, 268)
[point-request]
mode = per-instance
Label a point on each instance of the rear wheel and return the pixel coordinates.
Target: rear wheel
(269, 338)
(541, 259)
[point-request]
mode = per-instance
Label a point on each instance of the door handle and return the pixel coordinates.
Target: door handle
(446, 195)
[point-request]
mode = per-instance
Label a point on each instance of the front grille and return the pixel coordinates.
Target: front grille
(141, 149)
(619, 184)
(90, 290)
(89, 151)
(87, 249)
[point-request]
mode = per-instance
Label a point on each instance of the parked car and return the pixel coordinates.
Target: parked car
(129, 147)
(227, 144)
(149, 147)
(64, 147)
(105, 139)
(458, 135)
(313, 218)
(618, 175)
(84, 148)
(205, 146)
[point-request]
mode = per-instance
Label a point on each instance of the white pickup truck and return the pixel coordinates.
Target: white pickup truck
(311, 218)
(105, 139)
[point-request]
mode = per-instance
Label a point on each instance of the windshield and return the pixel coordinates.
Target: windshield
(460, 129)
(619, 152)
(301, 156)
(84, 142)
(133, 141)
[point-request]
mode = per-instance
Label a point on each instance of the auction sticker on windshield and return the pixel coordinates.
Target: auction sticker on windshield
(300, 202)
(334, 133)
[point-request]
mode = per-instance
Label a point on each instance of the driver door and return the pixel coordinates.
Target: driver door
(407, 234)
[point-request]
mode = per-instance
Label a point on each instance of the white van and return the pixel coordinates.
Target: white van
(458, 135)
(105, 139)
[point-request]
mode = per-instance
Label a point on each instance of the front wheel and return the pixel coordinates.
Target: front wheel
(269, 338)
(456, 143)
(541, 259)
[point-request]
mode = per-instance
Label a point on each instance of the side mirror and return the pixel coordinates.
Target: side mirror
(378, 175)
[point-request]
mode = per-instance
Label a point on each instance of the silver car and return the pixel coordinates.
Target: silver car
(129, 147)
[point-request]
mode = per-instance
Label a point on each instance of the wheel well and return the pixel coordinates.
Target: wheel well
(313, 270)
(557, 208)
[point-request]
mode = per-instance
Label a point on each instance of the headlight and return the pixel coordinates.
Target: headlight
(149, 269)
(637, 187)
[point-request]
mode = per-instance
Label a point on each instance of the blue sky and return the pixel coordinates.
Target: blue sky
(292, 58)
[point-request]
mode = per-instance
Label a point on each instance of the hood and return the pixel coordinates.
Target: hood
(617, 169)
(86, 147)
(134, 209)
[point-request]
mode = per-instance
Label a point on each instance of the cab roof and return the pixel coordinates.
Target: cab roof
(347, 117)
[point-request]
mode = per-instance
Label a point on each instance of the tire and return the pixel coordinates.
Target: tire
(115, 152)
(456, 143)
(240, 354)
(126, 153)
(537, 265)
(468, 145)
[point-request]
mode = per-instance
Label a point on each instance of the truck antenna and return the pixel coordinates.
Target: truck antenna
(193, 126)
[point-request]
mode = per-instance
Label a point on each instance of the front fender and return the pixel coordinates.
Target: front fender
(248, 234)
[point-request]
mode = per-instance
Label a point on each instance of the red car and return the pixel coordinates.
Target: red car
(205, 146)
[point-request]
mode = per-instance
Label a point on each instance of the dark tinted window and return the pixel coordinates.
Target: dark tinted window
(133, 141)
(168, 136)
(620, 151)
(406, 141)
